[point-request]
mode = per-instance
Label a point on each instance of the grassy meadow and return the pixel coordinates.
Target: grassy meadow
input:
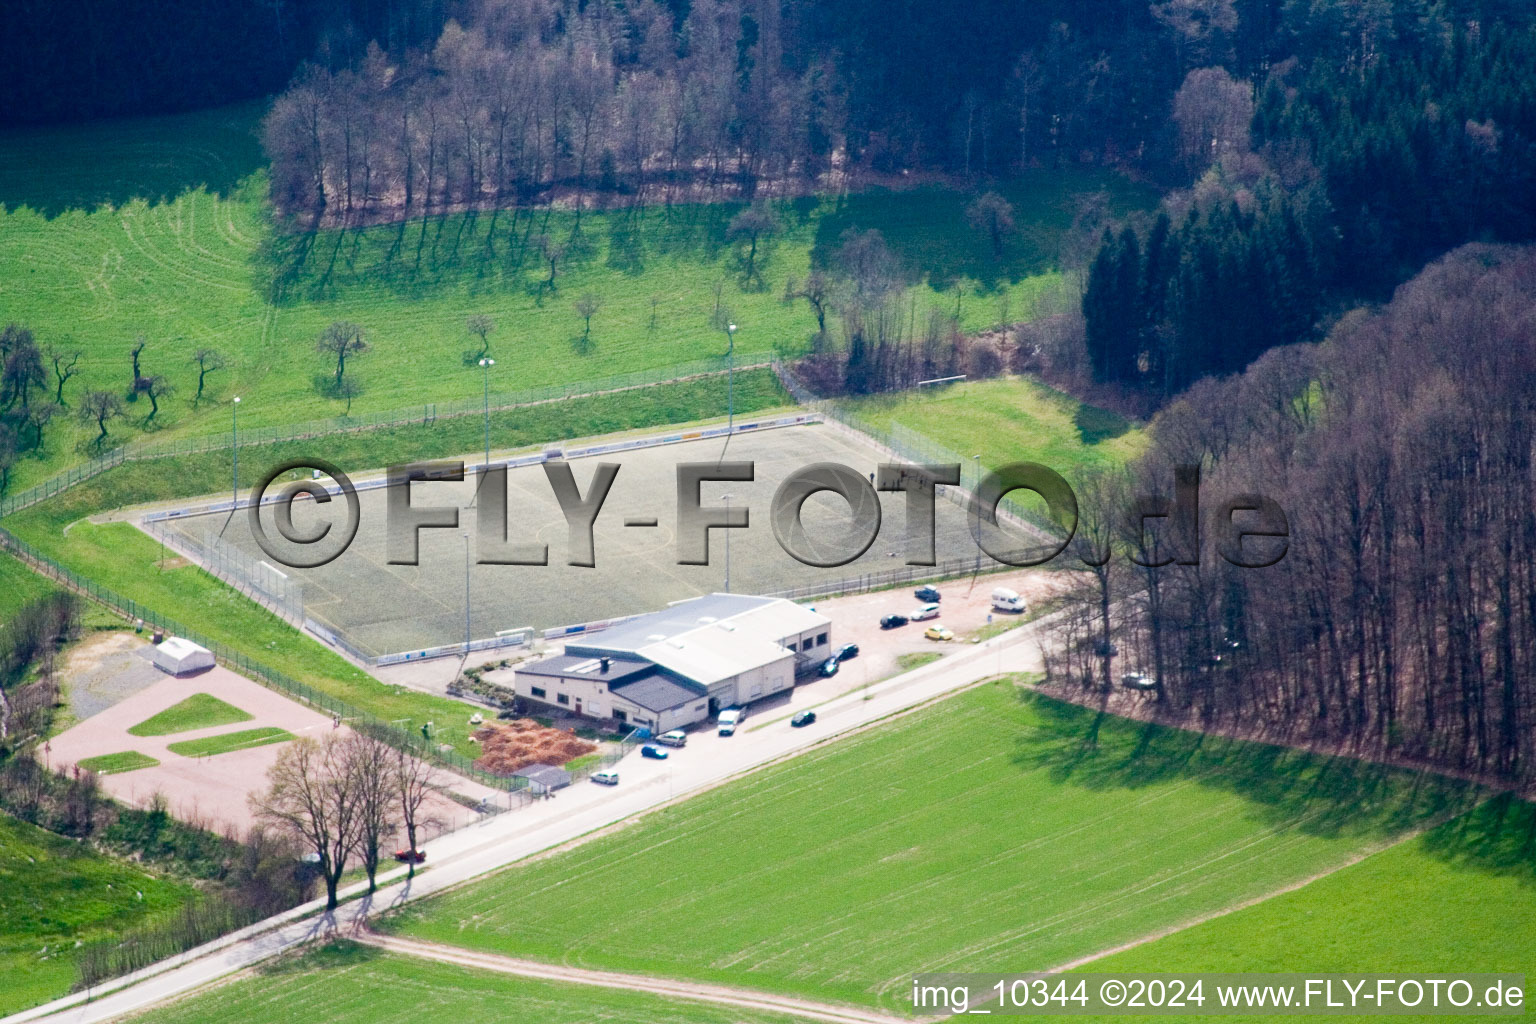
(998, 829)
(1011, 420)
(345, 983)
(160, 226)
(55, 894)
(1460, 898)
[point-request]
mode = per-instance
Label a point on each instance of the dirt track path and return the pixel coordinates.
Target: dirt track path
(720, 995)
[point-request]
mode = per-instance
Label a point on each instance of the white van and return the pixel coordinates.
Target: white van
(1005, 600)
(729, 719)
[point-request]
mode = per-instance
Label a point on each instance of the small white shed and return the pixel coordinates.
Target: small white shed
(180, 657)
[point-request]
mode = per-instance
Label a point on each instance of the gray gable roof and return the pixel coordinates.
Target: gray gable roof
(656, 692)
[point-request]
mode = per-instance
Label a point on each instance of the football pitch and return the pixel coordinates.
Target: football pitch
(382, 608)
(995, 831)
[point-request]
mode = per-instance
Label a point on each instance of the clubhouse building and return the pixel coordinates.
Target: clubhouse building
(681, 665)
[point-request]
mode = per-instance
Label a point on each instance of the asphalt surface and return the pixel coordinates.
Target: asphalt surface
(498, 841)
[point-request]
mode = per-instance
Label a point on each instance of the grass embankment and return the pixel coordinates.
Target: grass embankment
(1011, 420)
(122, 558)
(1460, 898)
(994, 829)
(116, 764)
(160, 226)
(199, 711)
(228, 742)
(55, 893)
(345, 983)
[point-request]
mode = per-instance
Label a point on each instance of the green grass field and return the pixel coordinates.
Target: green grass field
(1461, 898)
(54, 893)
(199, 711)
(116, 764)
(161, 226)
(228, 742)
(1011, 420)
(988, 831)
(345, 983)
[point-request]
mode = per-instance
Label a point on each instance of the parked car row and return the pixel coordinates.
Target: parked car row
(830, 666)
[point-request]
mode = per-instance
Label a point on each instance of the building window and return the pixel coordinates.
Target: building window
(563, 698)
(538, 691)
(808, 643)
(821, 638)
(620, 716)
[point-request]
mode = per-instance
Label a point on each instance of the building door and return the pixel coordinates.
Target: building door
(578, 705)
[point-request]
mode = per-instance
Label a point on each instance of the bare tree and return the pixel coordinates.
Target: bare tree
(415, 782)
(480, 326)
(100, 407)
(208, 360)
(22, 371)
(312, 797)
(1213, 111)
(586, 307)
(156, 387)
(371, 763)
(991, 215)
(134, 353)
(65, 366)
(753, 224)
(340, 340)
(552, 253)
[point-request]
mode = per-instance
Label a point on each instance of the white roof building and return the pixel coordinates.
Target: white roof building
(684, 663)
(180, 656)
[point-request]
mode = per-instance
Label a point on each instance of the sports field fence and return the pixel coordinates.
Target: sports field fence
(144, 616)
(426, 414)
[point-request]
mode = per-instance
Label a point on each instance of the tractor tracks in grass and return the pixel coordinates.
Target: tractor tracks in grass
(719, 995)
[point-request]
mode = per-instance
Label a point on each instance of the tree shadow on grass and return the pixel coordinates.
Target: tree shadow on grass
(1332, 797)
(1499, 836)
(57, 168)
(1095, 424)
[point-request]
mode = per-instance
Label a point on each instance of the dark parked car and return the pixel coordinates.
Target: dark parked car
(847, 651)
(653, 752)
(893, 621)
(927, 594)
(803, 718)
(829, 667)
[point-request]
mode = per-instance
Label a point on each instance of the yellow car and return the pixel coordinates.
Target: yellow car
(937, 632)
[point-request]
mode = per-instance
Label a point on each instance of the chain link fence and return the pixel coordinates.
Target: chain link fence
(415, 744)
(422, 414)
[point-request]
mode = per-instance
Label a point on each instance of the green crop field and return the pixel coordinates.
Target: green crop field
(1461, 898)
(1011, 420)
(991, 831)
(228, 742)
(160, 226)
(345, 983)
(53, 894)
(116, 764)
(199, 711)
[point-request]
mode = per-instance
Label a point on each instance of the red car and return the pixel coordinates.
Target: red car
(406, 857)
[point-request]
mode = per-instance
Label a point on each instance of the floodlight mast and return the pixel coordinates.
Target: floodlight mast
(234, 449)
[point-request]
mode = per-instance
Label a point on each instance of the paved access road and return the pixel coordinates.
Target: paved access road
(456, 858)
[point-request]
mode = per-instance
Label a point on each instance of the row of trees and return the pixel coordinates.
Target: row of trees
(1401, 620)
(513, 106)
(343, 797)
